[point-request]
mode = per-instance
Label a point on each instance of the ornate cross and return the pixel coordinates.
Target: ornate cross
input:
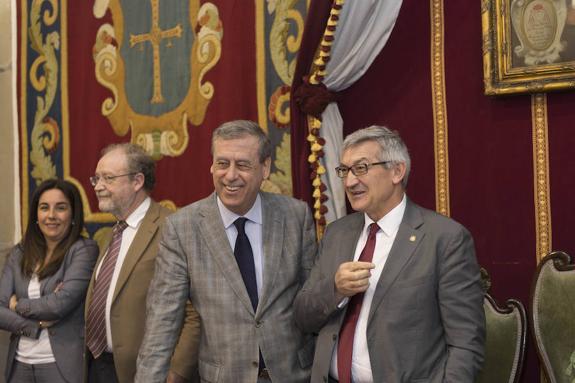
(155, 37)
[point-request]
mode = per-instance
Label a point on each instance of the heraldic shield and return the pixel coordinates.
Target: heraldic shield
(153, 58)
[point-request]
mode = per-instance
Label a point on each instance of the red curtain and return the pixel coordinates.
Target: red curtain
(318, 14)
(490, 142)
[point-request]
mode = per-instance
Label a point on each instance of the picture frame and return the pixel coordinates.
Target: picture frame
(528, 45)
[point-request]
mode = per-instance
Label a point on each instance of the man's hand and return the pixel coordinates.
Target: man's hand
(175, 378)
(59, 287)
(47, 323)
(13, 302)
(352, 278)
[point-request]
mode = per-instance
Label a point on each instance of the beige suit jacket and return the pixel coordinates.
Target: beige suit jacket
(128, 310)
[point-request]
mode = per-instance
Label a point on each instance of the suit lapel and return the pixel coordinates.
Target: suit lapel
(345, 247)
(347, 240)
(144, 235)
(22, 288)
(49, 284)
(273, 230)
(44, 284)
(104, 248)
(408, 237)
(213, 231)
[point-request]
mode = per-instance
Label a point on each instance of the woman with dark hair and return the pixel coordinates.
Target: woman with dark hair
(43, 286)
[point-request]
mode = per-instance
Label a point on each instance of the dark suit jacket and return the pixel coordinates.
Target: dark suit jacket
(128, 312)
(426, 322)
(197, 262)
(66, 306)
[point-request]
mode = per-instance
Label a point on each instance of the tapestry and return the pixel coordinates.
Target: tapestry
(160, 73)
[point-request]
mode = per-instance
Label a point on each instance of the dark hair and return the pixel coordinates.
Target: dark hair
(34, 243)
(241, 128)
(138, 162)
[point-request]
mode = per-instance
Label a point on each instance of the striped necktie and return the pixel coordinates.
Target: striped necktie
(96, 320)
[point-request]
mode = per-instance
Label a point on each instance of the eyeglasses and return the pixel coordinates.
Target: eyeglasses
(107, 179)
(357, 169)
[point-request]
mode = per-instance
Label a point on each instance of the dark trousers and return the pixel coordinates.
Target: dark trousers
(35, 373)
(102, 369)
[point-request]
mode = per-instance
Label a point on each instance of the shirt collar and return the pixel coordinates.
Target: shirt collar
(390, 222)
(137, 215)
(228, 216)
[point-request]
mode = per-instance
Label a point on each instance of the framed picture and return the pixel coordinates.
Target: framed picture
(528, 45)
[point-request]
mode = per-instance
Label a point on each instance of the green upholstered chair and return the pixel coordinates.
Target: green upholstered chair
(553, 316)
(506, 330)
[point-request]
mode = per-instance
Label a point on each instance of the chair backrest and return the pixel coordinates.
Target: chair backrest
(506, 329)
(553, 316)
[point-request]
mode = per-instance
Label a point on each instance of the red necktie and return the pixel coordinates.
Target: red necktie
(346, 334)
(96, 320)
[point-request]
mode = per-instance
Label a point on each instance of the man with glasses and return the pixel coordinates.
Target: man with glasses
(116, 299)
(395, 294)
(240, 255)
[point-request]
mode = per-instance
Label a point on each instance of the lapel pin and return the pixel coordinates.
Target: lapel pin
(412, 238)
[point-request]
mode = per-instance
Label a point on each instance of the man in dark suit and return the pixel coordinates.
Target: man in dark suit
(116, 299)
(240, 255)
(395, 294)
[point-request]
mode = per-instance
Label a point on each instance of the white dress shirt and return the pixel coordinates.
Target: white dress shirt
(253, 230)
(389, 225)
(35, 351)
(133, 221)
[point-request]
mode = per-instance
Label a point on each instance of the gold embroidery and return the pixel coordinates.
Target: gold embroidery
(541, 174)
(282, 177)
(274, 106)
(280, 42)
(439, 109)
(314, 125)
(45, 135)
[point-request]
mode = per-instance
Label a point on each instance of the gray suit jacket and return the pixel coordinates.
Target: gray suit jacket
(196, 261)
(66, 306)
(426, 322)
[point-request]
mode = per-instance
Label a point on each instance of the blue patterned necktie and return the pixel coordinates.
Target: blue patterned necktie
(245, 259)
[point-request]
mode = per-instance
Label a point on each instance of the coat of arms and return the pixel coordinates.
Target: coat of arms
(153, 58)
